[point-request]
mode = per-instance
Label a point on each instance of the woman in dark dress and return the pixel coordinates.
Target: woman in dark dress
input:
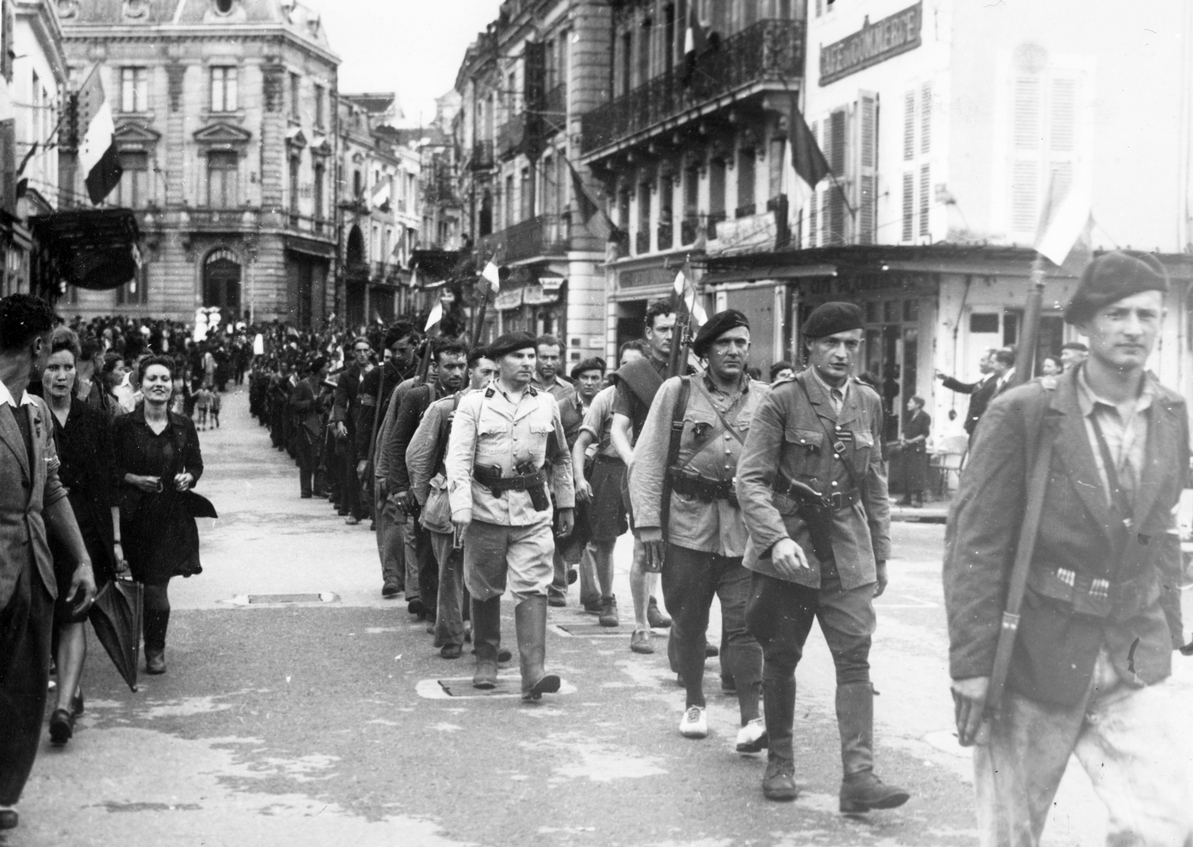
(83, 437)
(158, 462)
(916, 426)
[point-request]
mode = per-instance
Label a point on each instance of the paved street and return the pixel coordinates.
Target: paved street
(337, 723)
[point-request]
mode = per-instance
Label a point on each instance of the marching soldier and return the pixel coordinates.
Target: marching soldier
(813, 491)
(687, 453)
(504, 442)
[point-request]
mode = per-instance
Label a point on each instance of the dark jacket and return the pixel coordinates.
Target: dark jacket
(980, 395)
(1056, 649)
(131, 457)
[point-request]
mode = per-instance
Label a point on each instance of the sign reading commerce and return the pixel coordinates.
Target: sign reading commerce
(872, 44)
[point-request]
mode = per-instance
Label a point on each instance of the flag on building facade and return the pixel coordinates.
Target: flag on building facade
(591, 215)
(380, 198)
(1064, 236)
(98, 157)
(695, 37)
(807, 164)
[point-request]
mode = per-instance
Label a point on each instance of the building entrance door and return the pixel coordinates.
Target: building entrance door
(221, 283)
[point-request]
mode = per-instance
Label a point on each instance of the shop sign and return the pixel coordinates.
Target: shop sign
(508, 300)
(872, 44)
(643, 277)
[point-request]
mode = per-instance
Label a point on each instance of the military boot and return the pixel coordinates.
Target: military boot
(530, 619)
(861, 790)
(778, 704)
(486, 638)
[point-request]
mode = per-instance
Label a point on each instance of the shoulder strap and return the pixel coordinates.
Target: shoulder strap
(677, 416)
(729, 428)
(832, 439)
(1036, 490)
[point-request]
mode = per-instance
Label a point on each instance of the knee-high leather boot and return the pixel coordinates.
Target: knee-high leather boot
(486, 637)
(861, 790)
(155, 624)
(530, 617)
(778, 704)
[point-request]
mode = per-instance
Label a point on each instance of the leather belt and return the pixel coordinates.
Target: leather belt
(837, 500)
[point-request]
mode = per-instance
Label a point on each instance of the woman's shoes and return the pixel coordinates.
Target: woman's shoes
(155, 661)
(76, 704)
(62, 727)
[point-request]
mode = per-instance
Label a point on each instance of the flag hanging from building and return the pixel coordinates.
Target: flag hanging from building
(808, 166)
(492, 276)
(381, 195)
(98, 157)
(592, 216)
(1066, 224)
(695, 37)
(436, 316)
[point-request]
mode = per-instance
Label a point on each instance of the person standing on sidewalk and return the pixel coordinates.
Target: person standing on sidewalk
(1094, 641)
(813, 491)
(343, 418)
(305, 404)
(698, 545)
(33, 505)
(505, 441)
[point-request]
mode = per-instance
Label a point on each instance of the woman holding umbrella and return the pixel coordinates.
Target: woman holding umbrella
(84, 444)
(158, 463)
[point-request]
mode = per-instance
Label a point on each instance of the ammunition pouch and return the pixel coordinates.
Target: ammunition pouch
(1082, 595)
(703, 488)
(529, 479)
(816, 510)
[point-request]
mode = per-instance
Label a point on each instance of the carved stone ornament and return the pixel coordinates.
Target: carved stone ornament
(135, 10)
(68, 9)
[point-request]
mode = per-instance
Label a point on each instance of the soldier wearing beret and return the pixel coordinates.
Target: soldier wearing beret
(506, 447)
(813, 490)
(1096, 633)
(698, 545)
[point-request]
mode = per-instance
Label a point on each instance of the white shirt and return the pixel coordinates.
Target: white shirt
(6, 397)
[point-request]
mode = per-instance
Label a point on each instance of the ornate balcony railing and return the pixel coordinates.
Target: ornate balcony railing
(544, 235)
(769, 51)
(482, 156)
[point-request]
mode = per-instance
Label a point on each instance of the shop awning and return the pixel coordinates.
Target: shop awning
(88, 248)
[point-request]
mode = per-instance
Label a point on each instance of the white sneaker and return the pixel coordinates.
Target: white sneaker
(751, 738)
(694, 724)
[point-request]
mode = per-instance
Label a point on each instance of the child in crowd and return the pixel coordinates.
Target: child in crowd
(202, 404)
(215, 409)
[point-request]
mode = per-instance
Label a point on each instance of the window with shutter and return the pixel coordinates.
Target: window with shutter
(814, 200)
(908, 126)
(1025, 192)
(1027, 141)
(827, 236)
(908, 205)
(867, 140)
(926, 117)
(925, 199)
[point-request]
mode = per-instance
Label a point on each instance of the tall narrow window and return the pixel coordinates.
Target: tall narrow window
(926, 118)
(644, 52)
(716, 188)
(527, 195)
(908, 126)
(908, 206)
(627, 62)
(745, 183)
(642, 241)
(222, 189)
(295, 162)
(132, 192)
(295, 96)
(925, 199)
(509, 201)
(320, 96)
(317, 191)
(224, 92)
(134, 89)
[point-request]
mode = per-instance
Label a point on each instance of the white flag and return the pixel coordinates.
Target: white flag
(1064, 220)
(490, 273)
(436, 316)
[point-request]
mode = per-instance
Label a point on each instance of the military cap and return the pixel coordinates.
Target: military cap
(595, 363)
(511, 342)
(717, 325)
(831, 318)
(1111, 277)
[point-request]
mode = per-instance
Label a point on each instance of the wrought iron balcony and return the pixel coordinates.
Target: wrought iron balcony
(511, 136)
(544, 235)
(482, 156)
(771, 51)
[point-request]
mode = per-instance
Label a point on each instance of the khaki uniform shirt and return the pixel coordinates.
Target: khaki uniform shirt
(491, 429)
(705, 447)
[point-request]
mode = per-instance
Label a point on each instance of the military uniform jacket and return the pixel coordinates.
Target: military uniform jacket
(1055, 650)
(792, 436)
(705, 447)
(492, 430)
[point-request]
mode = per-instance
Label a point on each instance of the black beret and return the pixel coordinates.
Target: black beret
(317, 364)
(717, 325)
(511, 342)
(831, 318)
(596, 363)
(1111, 277)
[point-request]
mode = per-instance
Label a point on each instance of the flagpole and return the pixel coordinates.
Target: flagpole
(1030, 333)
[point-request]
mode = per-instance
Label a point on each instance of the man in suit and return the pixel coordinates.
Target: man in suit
(1095, 637)
(1002, 368)
(980, 392)
(32, 501)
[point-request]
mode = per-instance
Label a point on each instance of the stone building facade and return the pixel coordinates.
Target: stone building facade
(225, 116)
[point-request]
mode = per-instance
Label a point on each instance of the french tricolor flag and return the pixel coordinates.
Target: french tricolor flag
(97, 149)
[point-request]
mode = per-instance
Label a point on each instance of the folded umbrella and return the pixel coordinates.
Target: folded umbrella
(116, 617)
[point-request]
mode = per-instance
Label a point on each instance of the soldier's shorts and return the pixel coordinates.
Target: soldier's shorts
(607, 514)
(520, 556)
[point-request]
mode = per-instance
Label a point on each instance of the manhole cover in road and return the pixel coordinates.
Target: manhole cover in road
(460, 688)
(283, 599)
(595, 630)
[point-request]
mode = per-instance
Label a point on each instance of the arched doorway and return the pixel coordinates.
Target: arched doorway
(221, 282)
(356, 246)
